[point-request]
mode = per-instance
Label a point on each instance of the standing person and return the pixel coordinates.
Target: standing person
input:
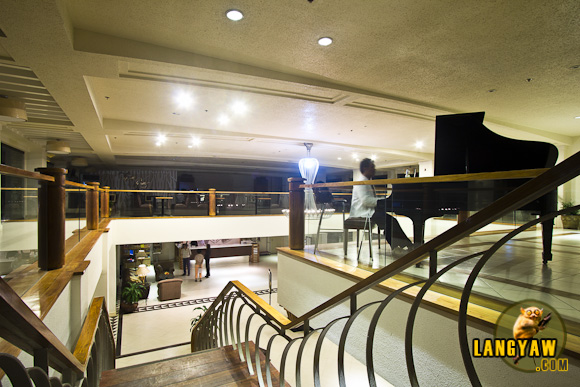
(185, 255)
(366, 204)
(206, 256)
(198, 262)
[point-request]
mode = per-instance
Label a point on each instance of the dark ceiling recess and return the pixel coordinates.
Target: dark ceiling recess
(2, 34)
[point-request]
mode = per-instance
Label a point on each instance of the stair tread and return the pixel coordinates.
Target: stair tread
(215, 367)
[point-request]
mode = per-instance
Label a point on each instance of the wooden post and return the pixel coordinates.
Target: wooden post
(296, 218)
(92, 199)
(212, 208)
(105, 202)
(51, 219)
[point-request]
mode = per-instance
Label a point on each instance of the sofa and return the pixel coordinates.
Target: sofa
(169, 289)
(164, 267)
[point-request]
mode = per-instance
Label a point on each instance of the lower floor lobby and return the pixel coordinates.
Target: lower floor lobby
(161, 330)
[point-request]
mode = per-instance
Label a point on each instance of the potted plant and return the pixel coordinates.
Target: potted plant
(572, 219)
(130, 297)
(194, 320)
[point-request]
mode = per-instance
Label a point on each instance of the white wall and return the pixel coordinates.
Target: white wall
(302, 287)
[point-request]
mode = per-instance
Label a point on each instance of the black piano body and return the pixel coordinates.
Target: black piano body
(464, 145)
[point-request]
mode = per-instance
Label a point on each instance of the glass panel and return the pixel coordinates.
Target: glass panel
(125, 204)
(75, 212)
(19, 230)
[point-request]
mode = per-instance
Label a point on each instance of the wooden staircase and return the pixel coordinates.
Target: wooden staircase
(214, 367)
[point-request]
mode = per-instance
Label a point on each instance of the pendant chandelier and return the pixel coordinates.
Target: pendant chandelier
(308, 169)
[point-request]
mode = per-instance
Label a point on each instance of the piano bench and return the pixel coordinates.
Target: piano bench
(358, 224)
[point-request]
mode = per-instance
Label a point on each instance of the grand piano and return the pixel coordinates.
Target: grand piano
(464, 145)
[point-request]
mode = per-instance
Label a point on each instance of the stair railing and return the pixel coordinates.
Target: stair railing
(19, 325)
(213, 329)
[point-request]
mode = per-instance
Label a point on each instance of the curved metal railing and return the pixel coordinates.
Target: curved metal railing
(222, 319)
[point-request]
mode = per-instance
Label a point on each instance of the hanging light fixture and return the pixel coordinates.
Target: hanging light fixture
(308, 165)
(308, 169)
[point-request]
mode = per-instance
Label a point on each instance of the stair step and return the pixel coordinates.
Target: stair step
(215, 367)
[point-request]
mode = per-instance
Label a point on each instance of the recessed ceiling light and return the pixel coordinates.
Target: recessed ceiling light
(195, 141)
(223, 119)
(419, 144)
(326, 41)
(184, 100)
(354, 156)
(190, 146)
(234, 14)
(239, 107)
(339, 158)
(373, 157)
(577, 117)
(160, 140)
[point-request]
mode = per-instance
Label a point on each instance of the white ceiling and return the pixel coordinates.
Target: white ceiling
(113, 67)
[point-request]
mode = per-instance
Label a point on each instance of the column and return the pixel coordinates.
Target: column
(51, 219)
(105, 202)
(92, 199)
(296, 218)
(212, 209)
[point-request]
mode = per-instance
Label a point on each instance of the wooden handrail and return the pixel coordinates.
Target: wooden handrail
(157, 191)
(12, 171)
(79, 185)
(97, 311)
(545, 182)
(519, 174)
(196, 192)
(24, 329)
(268, 310)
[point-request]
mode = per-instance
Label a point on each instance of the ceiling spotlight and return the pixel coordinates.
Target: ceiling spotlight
(190, 146)
(239, 107)
(419, 144)
(339, 158)
(160, 140)
(373, 157)
(184, 100)
(325, 41)
(223, 119)
(354, 156)
(195, 141)
(234, 15)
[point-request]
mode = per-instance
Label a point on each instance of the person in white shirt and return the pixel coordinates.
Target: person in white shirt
(366, 204)
(185, 255)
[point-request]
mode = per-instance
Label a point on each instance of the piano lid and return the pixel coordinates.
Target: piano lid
(464, 145)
